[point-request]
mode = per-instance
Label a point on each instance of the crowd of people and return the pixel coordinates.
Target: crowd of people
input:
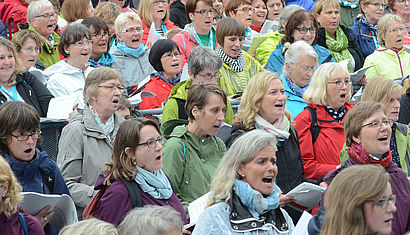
(324, 97)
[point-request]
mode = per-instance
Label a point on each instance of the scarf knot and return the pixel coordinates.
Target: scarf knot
(236, 64)
(155, 184)
(357, 152)
(134, 52)
(338, 47)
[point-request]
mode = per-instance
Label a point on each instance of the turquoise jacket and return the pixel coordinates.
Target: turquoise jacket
(295, 104)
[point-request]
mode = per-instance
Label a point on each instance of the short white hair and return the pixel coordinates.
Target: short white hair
(123, 18)
(34, 9)
(295, 52)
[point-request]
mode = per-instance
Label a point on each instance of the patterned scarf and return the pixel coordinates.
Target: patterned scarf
(106, 59)
(349, 4)
(299, 91)
(236, 64)
(393, 147)
(371, 27)
(338, 47)
(357, 152)
(337, 115)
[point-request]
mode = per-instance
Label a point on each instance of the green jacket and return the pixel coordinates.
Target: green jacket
(180, 91)
(49, 56)
(233, 82)
(403, 146)
(266, 48)
(348, 15)
(190, 162)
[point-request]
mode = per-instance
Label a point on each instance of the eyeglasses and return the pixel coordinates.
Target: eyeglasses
(31, 49)
(397, 30)
(132, 30)
(339, 83)
(304, 30)
(377, 124)
(402, 1)
(157, 2)
(24, 137)
(384, 203)
(47, 15)
(205, 12)
(246, 9)
(170, 55)
(378, 5)
(153, 143)
(210, 76)
(113, 86)
(100, 35)
(306, 69)
(84, 42)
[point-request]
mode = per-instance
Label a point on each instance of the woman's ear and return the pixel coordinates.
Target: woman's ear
(241, 171)
(128, 152)
(195, 112)
(356, 139)
(191, 16)
(4, 189)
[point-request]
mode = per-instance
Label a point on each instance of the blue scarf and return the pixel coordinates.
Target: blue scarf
(254, 200)
(170, 81)
(108, 127)
(131, 51)
(106, 59)
(295, 88)
(349, 4)
(155, 184)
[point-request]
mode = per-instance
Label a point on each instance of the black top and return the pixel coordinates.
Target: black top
(177, 14)
(404, 115)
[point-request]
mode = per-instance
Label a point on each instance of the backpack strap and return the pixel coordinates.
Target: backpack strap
(48, 180)
(134, 192)
(181, 109)
(23, 223)
(314, 127)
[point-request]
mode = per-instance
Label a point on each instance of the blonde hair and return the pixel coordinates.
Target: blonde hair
(123, 18)
(322, 4)
(254, 92)
(380, 90)
(144, 11)
(89, 226)
(316, 92)
(107, 10)
(345, 198)
(12, 198)
(20, 68)
(384, 23)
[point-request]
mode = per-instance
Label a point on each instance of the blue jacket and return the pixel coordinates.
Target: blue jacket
(307, 4)
(295, 104)
(363, 37)
(3, 30)
(277, 58)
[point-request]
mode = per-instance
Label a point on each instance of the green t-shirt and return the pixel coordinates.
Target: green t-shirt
(205, 39)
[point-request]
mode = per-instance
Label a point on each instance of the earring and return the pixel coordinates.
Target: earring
(134, 163)
(3, 195)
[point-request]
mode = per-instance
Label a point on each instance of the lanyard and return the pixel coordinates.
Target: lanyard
(248, 32)
(211, 41)
(13, 94)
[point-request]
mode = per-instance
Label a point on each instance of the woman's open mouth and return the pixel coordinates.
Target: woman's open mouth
(267, 180)
(29, 150)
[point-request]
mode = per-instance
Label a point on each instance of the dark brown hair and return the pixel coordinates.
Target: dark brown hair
(190, 7)
(73, 33)
(234, 4)
(229, 26)
(296, 19)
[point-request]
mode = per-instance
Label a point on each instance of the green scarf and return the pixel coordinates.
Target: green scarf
(338, 47)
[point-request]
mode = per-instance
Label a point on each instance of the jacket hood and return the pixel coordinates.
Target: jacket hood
(63, 67)
(180, 90)
(169, 129)
(100, 180)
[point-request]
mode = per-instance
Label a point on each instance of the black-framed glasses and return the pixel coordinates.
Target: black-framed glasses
(339, 83)
(378, 5)
(153, 143)
(377, 124)
(132, 30)
(47, 15)
(24, 137)
(205, 12)
(384, 203)
(113, 86)
(304, 30)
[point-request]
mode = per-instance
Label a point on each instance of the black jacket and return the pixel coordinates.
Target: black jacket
(177, 14)
(33, 92)
(404, 115)
(353, 46)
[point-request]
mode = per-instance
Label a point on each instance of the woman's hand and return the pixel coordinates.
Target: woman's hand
(184, 231)
(323, 185)
(44, 216)
(363, 81)
(284, 200)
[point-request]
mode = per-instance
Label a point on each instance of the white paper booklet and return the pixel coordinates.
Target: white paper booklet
(196, 208)
(65, 209)
(301, 227)
(61, 107)
(306, 195)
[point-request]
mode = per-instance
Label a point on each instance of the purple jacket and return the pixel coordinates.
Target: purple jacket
(11, 224)
(400, 187)
(115, 203)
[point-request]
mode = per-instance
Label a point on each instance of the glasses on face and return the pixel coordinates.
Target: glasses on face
(378, 5)
(339, 83)
(31, 49)
(205, 12)
(377, 124)
(304, 30)
(403, 1)
(170, 55)
(246, 9)
(153, 143)
(132, 30)
(397, 30)
(100, 35)
(47, 15)
(157, 2)
(113, 86)
(84, 43)
(384, 203)
(210, 76)
(24, 137)
(306, 69)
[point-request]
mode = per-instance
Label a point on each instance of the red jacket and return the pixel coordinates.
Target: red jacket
(160, 88)
(169, 25)
(13, 11)
(323, 156)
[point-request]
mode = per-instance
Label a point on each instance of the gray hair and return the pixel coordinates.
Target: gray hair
(288, 11)
(153, 220)
(96, 77)
(89, 226)
(295, 52)
(124, 18)
(34, 9)
(201, 58)
(242, 151)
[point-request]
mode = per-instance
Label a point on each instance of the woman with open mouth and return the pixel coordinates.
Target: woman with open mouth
(192, 152)
(67, 77)
(338, 39)
(390, 60)
(359, 201)
(320, 125)
(368, 133)
(20, 127)
(259, 15)
(275, 7)
(238, 66)
(263, 107)
(86, 142)
(401, 8)
(388, 92)
(155, 11)
(301, 26)
(244, 197)
(136, 162)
